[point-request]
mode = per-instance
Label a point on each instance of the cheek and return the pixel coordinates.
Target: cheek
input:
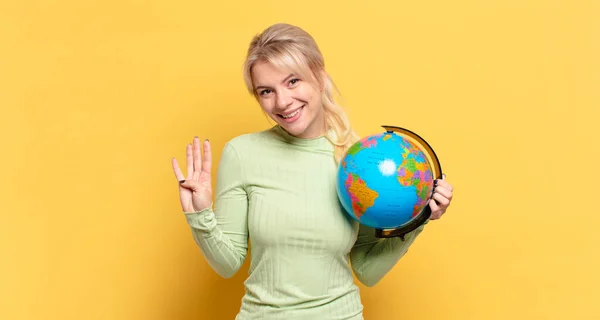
(308, 95)
(314, 97)
(265, 105)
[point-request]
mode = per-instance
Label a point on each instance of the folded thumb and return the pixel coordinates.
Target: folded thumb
(189, 184)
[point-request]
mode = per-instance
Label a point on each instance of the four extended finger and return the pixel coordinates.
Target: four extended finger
(177, 170)
(190, 160)
(207, 163)
(197, 159)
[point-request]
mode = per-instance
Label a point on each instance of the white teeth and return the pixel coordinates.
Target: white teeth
(291, 114)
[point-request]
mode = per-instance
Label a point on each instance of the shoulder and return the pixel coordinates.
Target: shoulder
(248, 150)
(252, 141)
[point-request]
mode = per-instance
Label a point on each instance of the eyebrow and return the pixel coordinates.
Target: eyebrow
(282, 81)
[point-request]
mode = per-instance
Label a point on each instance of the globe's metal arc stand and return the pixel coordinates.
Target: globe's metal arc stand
(426, 213)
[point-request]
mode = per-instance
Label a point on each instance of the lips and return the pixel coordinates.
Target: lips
(289, 115)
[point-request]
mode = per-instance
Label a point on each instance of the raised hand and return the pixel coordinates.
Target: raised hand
(195, 191)
(442, 196)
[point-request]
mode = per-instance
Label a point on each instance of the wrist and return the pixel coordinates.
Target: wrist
(198, 210)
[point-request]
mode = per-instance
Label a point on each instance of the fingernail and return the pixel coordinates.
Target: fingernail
(206, 140)
(181, 181)
(195, 137)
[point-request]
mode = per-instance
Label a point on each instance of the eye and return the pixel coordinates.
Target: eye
(265, 91)
(294, 81)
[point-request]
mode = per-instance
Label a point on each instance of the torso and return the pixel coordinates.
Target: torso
(299, 236)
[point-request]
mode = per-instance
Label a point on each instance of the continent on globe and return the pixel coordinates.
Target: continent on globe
(361, 196)
(384, 181)
(362, 144)
(415, 171)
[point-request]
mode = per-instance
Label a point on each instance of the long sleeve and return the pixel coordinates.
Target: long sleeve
(222, 232)
(372, 258)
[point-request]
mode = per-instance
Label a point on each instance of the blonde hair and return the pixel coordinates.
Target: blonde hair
(287, 46)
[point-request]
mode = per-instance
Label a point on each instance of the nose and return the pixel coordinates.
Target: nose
(284, 99)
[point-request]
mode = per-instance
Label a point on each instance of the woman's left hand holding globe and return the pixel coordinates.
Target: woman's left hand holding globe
(442, 194)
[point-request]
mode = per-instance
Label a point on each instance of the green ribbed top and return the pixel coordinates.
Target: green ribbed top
(277, 194)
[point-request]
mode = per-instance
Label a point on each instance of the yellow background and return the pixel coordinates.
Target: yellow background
(96, 97)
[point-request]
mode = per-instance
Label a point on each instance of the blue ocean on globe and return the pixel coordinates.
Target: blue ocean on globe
(384, 181)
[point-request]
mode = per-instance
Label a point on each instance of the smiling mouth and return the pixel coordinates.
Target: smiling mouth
(291, 115)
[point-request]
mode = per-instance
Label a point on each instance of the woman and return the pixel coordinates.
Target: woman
(276, 189)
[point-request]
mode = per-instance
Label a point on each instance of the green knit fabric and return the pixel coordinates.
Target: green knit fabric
(277, 194)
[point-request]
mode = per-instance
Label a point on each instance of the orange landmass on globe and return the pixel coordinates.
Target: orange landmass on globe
(361, 196)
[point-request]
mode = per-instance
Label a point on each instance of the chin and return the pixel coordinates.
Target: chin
(295, 129)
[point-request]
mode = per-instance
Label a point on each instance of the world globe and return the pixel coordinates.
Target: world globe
(386, 180)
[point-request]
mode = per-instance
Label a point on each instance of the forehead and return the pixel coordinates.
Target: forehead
(265, 73)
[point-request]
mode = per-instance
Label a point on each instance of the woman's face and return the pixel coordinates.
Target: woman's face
(294, 103)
